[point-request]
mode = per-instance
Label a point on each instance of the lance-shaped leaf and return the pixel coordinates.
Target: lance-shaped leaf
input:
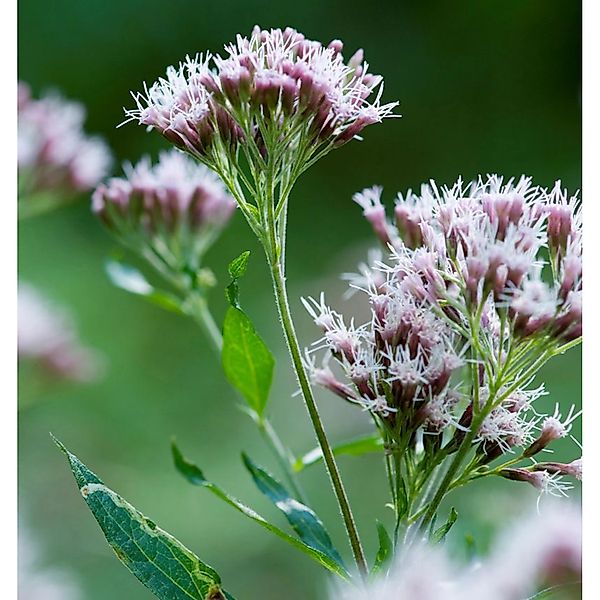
(195, 476)
(247, 362)
(128, 278)
(303, 519)
(362, 445)
(385, 550)
(161, 562)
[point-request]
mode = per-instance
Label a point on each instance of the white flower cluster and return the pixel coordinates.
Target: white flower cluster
(47, 337)
(489, 239)
(172, 210)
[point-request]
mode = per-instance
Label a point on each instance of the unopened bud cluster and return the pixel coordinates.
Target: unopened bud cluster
(171, 210)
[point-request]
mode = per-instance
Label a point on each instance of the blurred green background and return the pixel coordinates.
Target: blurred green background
(484, 87)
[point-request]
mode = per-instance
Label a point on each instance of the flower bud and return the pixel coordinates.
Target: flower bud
(573, 469)
(552, 429)
(537, 479)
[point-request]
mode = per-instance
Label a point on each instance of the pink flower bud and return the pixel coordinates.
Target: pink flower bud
(537, 479)
(573, 469)
(336, 45)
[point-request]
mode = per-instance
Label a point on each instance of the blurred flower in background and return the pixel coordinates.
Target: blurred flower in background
(537, 553)
(57, 160)
(47, 337)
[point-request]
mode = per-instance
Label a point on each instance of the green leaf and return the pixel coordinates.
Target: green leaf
(303, 519)
(195, 476)
(440, 533)
(237, 268)
(247, 362)
(131, 280)
(355, 447)
(386, 548)
(162, 563)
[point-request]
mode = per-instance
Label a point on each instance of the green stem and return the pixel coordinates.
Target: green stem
(398, 487)
(202, 315)
(281, 455)
(449, 477)
(295, 354)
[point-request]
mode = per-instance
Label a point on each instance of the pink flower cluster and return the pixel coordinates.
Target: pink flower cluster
(54, 153)
(177, 201)
(273, 80)
(398, 365)
(455, 291)
(488, 239)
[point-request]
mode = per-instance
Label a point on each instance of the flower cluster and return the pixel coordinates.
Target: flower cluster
(463, 312)
(47, 337)
(54, 153)
(171, 211)
(398, 365)
(275, 88)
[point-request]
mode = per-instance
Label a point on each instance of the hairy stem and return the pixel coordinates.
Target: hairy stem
(202, 315)
(295, 354)
(281, 455)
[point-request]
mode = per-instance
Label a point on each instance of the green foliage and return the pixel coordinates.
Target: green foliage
(162, 563)
(303, 519)
(131, 280)
(195, 476)
(247, 362)
(237, 268)
(385, 550)
(440, 533)
(356, 447)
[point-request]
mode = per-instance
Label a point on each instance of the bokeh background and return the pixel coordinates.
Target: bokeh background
(484, 87)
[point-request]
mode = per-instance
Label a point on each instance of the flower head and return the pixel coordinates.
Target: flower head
(463, 290)
(274, 88)
(54, 153)
(534, 553)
